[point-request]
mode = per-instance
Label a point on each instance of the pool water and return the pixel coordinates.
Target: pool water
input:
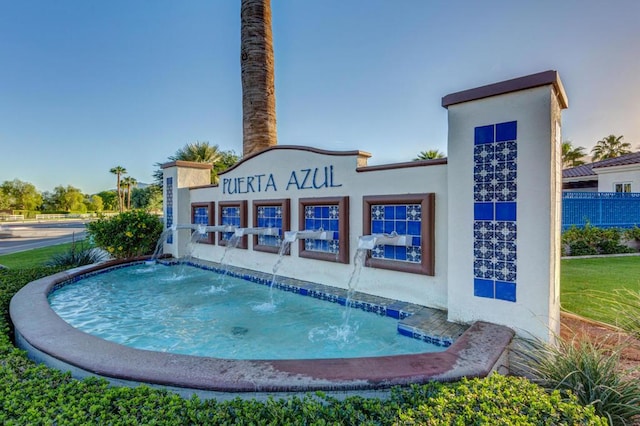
(188, 310)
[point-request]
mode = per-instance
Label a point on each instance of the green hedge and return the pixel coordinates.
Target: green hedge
(590, 240)
(34, 394)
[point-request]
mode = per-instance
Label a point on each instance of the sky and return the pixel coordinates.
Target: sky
(89, 85)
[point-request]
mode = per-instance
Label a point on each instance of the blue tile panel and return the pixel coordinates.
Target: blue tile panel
(201, 217)
(322, 218)
(270, 217)
(303, 288)
(495, 211)
(403, 219)
(230, 216)
(169, 212)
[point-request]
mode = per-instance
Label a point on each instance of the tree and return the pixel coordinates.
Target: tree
(128, 182)
(431, 154)
(201, 152)
(19, 195)
(611, 146)
(119, 171)
(572, 156)
(257, 70)
(109, 201)
(94, 203)
(68, 199)
(149, 198)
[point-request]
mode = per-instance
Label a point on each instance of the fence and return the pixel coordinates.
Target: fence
(11, 217)
(601, 209)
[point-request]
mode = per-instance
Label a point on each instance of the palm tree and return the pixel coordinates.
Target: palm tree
(129, 182)
(610, 147)
(572, 156)
(431, 154)
(200, 152)
(257, 69)
(119, 171)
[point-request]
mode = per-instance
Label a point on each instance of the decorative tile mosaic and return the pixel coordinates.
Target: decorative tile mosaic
(169, 212)
(495, 200)
(402, 219)
(270, 217)
(325, 218)
(201, 217)
(230, 216)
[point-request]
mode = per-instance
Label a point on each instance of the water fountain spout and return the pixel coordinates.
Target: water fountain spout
(291, 236)
(368, 242)
(241, 232)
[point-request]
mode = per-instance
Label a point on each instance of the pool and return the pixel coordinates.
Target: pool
(192, 311)
(47, 338)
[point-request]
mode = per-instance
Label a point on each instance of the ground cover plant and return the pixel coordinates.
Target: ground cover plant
(588, 286)
(34, 394)
(584, 368)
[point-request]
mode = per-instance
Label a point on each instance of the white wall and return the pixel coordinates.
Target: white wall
(279, 164)
(609, 176)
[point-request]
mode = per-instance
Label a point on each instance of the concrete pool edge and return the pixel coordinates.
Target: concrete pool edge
(48, 339)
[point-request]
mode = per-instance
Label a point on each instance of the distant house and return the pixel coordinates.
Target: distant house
(620, 174)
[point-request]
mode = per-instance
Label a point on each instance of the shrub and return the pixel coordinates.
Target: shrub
(632, 233)
(584, 369)
(129, 234)
(590, 240)
(78, 255)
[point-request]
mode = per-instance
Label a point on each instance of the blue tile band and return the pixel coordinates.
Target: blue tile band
(495, 211)
(169, 212)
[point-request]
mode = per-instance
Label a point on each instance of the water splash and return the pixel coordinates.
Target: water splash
(232, 243)
(358, 262)
(284, 248)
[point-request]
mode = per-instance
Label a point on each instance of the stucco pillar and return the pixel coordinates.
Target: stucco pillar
(178, 177)
(504, 184)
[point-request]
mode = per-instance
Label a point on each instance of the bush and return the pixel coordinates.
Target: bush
(584, 369)
(632, 233)
(78, 255)
(34, 394)
(590, 240)
(129, 234)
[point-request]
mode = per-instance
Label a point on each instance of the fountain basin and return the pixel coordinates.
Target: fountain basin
(47, 338)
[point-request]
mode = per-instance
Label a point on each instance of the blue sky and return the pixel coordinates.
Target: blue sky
(88, 85)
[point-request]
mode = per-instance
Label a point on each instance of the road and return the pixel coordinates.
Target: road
(27, 236)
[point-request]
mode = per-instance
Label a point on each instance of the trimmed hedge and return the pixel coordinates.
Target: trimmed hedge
(35, 394)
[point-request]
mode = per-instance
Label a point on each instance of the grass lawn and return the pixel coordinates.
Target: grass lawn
(585, 282)
(33, 258)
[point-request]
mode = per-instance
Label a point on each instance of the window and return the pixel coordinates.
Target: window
(622, 187)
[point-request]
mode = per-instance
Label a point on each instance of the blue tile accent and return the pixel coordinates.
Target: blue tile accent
(506, 291)
(507, 131)
(169, 204)
(506, 211)
(403, 219)
(270, 217)
(326, 218)
(230, 216)
(483, 135)
(483, 288)
(483, 211)
(495, 193)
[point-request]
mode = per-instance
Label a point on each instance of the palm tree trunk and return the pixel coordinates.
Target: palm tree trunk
(258, 87)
